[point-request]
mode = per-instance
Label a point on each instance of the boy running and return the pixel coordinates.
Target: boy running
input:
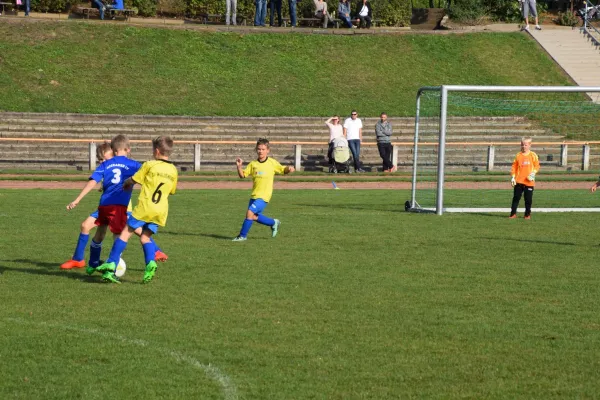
(263, 171)
(158, 178)
(524, 168)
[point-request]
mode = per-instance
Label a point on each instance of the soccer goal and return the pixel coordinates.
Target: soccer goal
(466, 138)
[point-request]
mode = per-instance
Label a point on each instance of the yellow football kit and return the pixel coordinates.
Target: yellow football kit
(262, 174)
(158, 179)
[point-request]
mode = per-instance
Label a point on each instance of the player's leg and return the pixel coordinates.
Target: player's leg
(78, 260)
(253, 209)
(517, 193)
(159, 255)
(149, 251)
(96, 246)
(260, 206)
(528, 194)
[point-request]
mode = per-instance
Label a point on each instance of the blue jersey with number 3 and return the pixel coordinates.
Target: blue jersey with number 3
(113, 173)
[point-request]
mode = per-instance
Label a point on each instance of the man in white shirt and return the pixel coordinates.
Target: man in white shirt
(353, 132)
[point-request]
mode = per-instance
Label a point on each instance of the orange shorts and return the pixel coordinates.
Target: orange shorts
(113, 216)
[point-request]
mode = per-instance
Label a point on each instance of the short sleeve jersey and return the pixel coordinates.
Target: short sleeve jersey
(158, 179)
(262, 174)
(113, 173)
(523, 165)
(353, 127)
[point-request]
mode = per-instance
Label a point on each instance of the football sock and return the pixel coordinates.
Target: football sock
(80, 248)
(95, 251)
(149, 251)
(116, 251)
(246, 227)
(155, 245)
(262, 219)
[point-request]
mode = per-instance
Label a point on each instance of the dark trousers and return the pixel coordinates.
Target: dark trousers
(354, 145)
(385, 151)
(519, 190)
(364, 21)
(275, 5)
(330, 153)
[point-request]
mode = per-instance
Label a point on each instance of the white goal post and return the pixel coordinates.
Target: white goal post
(551, 108)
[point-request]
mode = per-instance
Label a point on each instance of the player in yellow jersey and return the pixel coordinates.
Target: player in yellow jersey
(524, 168)
(158, 179)
(262, 171)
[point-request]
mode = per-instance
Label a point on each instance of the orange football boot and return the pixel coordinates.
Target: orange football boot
(160, 256)
(73, 264)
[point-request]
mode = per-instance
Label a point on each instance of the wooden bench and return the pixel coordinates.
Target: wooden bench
(85, 11)
(220, 18)
(125, 12)
(374, 22)
(4, 4)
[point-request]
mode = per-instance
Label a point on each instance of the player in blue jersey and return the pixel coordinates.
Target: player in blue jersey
(114, 203)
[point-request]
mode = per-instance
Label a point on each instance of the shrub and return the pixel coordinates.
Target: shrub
(145, 8)
(567, 18)
(469, 11)
(175, 8)
(50, 5)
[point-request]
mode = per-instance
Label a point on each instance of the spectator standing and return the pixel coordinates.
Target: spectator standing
(261, 13)
(275, 5)
(529, 6)
(321, 12)
(26, 4)
(383, 131)
(344, 13)
(364, 14)
(292, 6)
(335, 131)
(231, 12)
(353, 132)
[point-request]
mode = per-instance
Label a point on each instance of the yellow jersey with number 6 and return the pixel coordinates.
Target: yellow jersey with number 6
(158, 179)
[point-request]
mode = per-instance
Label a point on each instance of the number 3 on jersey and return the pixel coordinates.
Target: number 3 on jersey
(156, 196)
(117, 176)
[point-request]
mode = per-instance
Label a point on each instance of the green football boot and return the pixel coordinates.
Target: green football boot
(107, 267)
(110, 277)
(150, 271)
(90, 270)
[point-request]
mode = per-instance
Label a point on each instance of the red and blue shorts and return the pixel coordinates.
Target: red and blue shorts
(115, 217)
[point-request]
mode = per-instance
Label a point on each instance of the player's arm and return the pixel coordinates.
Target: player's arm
(536, 168)
(288, 170)
(595, 186)
(88, 187)
(240, 170)
(513, 172)
(128, 184)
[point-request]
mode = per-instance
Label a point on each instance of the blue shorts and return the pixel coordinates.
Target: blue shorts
(135, 223)
(257, 206)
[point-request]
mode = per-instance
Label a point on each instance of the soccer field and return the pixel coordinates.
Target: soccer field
(355, 299)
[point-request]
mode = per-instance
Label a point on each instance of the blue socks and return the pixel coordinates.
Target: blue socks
(156, 248)
(79, 254)
(265, 220)
(116, 251)
(95, 251)
(246, 227)
(149, 250)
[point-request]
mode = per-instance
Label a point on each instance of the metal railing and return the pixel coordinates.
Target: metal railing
(586, 13)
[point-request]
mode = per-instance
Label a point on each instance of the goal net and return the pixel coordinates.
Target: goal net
(466, 138)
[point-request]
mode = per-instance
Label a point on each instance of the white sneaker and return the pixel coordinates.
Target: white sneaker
(239, 239)
(526, 28)
(538, 28)
(275, 228)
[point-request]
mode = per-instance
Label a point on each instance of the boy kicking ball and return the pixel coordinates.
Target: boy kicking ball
(262, 171)
(524, 168)
(158, 178)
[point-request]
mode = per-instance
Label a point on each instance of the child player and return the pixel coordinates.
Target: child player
(262, 171)
(524, 168)
(158, 178)
(112, 211)
(103, 152)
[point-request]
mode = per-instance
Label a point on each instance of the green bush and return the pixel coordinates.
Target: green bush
(567, 18)
(469, 11)
(50, 5)
(145, 8)
(175, 8)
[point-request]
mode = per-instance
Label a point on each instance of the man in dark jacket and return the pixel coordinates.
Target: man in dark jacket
(364, 14)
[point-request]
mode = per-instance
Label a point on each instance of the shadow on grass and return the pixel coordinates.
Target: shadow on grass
(352, 207)
(532, 241)
(46, 268)
(210, 235)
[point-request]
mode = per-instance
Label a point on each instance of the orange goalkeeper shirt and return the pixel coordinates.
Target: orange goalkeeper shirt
(523, 165)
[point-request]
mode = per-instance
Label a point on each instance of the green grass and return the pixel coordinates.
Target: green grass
(97, 68)
(355, 299)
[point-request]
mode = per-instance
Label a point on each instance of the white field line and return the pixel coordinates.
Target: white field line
(213, 372)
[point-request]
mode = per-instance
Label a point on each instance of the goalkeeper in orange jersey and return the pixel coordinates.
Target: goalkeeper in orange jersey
(524, 168)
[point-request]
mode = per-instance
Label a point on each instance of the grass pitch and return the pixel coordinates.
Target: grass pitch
(355, 299)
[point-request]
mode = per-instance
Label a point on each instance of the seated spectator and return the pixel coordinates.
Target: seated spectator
(364, 14)
(116, 5)
(321, 12)
(344, 13)
(100, 6)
